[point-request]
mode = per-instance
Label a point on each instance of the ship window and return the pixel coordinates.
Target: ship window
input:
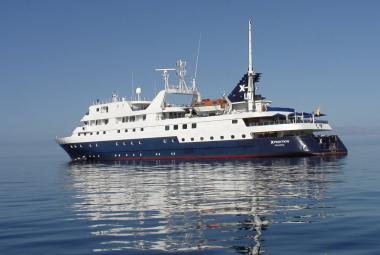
(132, 118)
(83, 128)
(243, 136)
(144, 117)
(175, 127)
(183, 139)
(232, 137)
(184, 126)
(97, 109)
(234, 121)
(104, 132)
(134, 130)
(84, 134)
(91, 133)
(202, 138)
(126, 130)
(106, 121)
(141, 129)
(211, 138)
(192, 138)
(193, 125)
(167, 127)
(118, 131)
(97, 133)
(78, 134)
(221, 137)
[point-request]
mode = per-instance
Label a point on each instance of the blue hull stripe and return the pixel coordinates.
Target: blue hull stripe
(169, 148)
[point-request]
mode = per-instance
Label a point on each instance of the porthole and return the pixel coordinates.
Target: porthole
(97, 133)
(183, 139)
(126, 130)
(221, 137)
(232, 137)
(202, 138)
(118, 130)
(243, 135)
(192, 138)
(211, 138)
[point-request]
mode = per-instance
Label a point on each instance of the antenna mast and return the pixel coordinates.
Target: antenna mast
(196, 63)
(251, 73)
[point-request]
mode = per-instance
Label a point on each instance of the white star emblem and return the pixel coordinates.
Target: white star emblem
(242, 88)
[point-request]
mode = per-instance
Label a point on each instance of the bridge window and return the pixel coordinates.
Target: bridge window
(167, 127)
(141, 129)
(234, 121)
(184, 126)
(97, 132)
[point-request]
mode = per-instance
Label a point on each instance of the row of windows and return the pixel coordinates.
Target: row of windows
(133, 118)
(184, 126)
(104, 132)
(212, 138)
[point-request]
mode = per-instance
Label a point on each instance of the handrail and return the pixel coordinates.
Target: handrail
(279, 122)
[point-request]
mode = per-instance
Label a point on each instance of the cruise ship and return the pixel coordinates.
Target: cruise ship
(242, 124)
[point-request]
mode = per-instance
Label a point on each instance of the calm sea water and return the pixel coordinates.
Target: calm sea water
(265, 206)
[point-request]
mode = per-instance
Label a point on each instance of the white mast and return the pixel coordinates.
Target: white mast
(251, 73)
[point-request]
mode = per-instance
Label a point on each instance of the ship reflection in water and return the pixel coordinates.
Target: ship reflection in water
(190, 206)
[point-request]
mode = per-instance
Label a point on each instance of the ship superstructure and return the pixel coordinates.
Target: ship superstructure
(240, 125)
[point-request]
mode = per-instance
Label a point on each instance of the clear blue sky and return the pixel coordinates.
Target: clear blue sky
(56, 57)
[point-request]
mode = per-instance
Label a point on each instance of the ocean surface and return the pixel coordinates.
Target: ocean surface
(262, 206)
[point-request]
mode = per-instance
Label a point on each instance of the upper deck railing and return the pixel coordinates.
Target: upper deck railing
(293, 121)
